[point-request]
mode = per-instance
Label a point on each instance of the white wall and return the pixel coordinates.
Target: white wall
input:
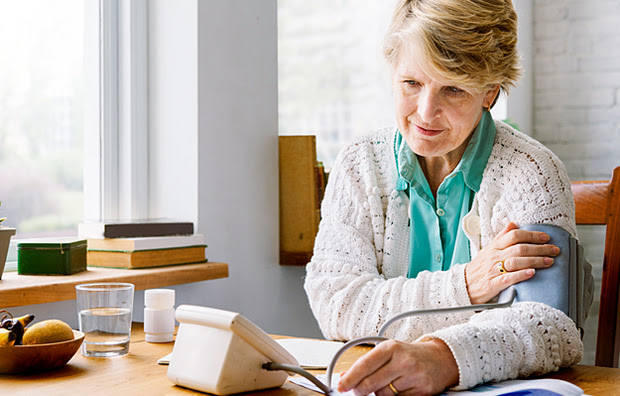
(577, 103)
(214, 125)
(519, 106)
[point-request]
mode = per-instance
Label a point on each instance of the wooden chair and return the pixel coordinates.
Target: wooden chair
(598, 202)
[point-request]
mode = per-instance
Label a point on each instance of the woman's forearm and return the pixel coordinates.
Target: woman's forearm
(526, 339)
(350, 298)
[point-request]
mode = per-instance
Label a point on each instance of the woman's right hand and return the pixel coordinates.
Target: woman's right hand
(521, 251)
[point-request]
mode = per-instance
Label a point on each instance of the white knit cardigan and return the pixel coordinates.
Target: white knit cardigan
(357, 277)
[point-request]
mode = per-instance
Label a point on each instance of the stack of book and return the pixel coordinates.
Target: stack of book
(142, 243)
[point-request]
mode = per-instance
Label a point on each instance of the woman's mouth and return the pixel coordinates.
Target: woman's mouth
(428, 132)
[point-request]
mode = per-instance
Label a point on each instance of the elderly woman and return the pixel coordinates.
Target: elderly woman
(427, 215)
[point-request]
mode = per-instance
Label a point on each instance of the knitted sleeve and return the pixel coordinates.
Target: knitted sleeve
(526, 339)
(349, 295)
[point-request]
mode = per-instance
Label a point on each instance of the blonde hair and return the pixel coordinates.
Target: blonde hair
(470, 42)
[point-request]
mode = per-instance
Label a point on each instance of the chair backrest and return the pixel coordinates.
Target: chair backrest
(598, 203)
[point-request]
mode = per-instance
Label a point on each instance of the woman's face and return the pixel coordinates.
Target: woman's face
(436, 118)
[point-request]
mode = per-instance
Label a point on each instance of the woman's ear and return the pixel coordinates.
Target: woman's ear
(491, 98)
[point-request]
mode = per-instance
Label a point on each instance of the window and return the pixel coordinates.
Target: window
(73, 114)
(41, 116)
(333, 82)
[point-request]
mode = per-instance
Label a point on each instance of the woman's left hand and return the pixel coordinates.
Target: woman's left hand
(419, 368)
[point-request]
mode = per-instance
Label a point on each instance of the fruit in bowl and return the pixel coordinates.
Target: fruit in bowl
(43, 346)
(17, 326)
(48, 331)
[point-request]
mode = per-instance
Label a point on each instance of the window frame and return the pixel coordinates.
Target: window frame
(116, 116)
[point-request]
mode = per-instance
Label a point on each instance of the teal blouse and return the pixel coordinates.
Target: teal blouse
(437, 239)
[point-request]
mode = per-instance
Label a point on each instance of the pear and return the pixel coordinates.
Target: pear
(52, 330)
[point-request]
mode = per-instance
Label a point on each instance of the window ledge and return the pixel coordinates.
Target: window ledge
(20, 290)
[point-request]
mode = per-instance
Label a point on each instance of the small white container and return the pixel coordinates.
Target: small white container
(159, 315)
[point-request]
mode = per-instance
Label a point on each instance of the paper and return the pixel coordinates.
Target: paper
(522, 387)
(165, 360)
(301, 381)
(311, 354)
(535, 387)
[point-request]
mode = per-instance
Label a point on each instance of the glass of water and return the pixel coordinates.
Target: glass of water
(104, 314)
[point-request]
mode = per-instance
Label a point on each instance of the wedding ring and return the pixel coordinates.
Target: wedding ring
(393, 389)
(501, 267)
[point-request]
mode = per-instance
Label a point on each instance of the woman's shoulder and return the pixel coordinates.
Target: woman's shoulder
(380, 137)
(516, 150)
(524, 182)
(379, 144)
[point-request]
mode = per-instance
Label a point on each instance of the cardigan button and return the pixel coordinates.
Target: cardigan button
(471, 224)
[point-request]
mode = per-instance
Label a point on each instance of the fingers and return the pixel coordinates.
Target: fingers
(529, 250)
(411, 368)
(521, 263)
(359, 375)
(520, 269)
(509, 227)
(511, 235)
(511, 278)
(378, 382)
(390, 390)
(521, 252)
(375, 371)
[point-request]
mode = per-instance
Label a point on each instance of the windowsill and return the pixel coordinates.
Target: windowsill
(10, 266)
(20, 290)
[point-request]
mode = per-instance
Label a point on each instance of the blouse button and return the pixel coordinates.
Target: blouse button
(440, 212)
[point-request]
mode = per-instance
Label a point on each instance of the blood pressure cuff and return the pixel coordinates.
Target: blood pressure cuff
(567, 285)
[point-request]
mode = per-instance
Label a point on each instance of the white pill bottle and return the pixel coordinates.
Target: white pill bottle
(159, 315)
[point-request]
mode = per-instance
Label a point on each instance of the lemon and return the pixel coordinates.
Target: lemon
(52, 330)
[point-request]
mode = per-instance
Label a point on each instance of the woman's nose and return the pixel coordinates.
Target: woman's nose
(428, 106)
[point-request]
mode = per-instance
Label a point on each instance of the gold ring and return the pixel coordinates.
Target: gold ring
(501, 267)
(393, 389)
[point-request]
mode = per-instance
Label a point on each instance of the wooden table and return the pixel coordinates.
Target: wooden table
(19, 290)
(138, 373)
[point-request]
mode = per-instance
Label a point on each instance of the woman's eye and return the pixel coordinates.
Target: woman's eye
(455, 90)
(411, 83)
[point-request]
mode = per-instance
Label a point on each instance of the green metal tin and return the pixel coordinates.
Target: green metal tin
(51, 256)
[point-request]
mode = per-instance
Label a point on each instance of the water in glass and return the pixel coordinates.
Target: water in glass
(106, 331)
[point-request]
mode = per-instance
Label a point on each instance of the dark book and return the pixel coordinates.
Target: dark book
(135, 228)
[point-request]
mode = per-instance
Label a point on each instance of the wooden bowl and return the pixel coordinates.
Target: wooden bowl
(41, 357)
